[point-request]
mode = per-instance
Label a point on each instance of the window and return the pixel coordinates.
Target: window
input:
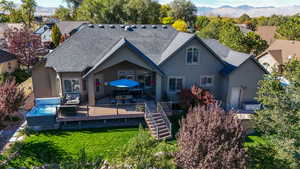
(127, 74)
(71, 86)
(192, 56)
(206, 80)
(175, 84)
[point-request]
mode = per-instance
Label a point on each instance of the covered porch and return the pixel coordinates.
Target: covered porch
(100, 92)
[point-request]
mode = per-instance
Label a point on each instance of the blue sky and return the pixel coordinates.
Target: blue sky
(210, 3)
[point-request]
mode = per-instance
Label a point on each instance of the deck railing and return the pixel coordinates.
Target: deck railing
(148, 115)
(161, 110)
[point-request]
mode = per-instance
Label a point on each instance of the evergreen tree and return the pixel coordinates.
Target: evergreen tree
(55, 35)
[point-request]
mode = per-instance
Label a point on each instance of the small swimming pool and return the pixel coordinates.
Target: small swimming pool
(44, 107)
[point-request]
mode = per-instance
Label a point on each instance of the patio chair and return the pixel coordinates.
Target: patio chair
(72, 99)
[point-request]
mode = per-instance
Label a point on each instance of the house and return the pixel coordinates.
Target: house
(267, 33)
(279, 52)
(67, 28)
(244, 28)
(162, 59)
(8, 62)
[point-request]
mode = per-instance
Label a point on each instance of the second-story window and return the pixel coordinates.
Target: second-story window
(192, 55)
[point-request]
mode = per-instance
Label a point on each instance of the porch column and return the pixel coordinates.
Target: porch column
(158, 87)
(91, 90)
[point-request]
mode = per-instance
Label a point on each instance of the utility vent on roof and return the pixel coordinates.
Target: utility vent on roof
(122, 26)
(133, 26)
(143, 26)
(90, 25)
(154, 26)
(112, 26)
(165, 26)
(128, 28)
(101, 26)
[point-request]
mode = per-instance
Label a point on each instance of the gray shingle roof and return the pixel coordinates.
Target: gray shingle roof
(226, 54)
(86, 47)
(67, 27)
(93, 44)
(6, 56)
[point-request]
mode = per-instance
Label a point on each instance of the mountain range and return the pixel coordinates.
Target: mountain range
(225, 10)
(231, 11)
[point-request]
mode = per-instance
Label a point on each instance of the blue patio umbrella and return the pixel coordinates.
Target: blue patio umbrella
(124, 83)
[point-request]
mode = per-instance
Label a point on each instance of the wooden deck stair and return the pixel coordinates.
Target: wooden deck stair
(158, 122)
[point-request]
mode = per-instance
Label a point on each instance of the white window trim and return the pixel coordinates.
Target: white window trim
(186, 55)
(177, 77)
(207, 76)
(70, 78)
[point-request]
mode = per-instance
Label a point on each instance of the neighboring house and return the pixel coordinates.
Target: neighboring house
(45, 32)
(67, 28)
(279, 53)
(267, 33)
(162, 59)
(244, 28)
(8, 62)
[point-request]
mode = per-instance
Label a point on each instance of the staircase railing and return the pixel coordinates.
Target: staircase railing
(148, 115)
(161, 110)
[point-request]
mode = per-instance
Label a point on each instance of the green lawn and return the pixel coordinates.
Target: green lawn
(58, 146)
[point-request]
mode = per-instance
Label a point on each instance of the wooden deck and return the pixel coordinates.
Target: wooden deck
(104, 112)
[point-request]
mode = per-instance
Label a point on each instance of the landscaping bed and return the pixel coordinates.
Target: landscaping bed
(59, 146)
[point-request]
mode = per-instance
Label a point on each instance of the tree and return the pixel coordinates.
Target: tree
(231, 36)
(56, 35)
(63, 14)
(180, 25)
(74, 3)
(11, 99)
(143, 151)
(212, 30)
(4, 18)
(102, 11)
(244, 18)
(184, 10)
(255, 44)
(167, 20)
(201, 22)
(28, 8)
(164, 11)
(210, 138)
(291, 29)
(15, 15)
(278, 121)
(142, 11)
(24, 44)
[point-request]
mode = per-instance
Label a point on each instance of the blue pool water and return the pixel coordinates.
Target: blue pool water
(44, 107)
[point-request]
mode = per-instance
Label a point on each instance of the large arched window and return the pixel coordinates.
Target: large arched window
(192, 55)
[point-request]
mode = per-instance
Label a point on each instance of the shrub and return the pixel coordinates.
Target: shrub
(210, 138)
(143, 151)
(21, 75)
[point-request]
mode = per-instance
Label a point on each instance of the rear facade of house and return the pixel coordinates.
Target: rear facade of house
(162, 59)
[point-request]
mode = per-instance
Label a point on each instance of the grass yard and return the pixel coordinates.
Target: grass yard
(58, 146)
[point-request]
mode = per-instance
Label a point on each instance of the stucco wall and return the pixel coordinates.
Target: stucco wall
(208, 65)
(246, 76)
(44, 82)
(4, 67)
